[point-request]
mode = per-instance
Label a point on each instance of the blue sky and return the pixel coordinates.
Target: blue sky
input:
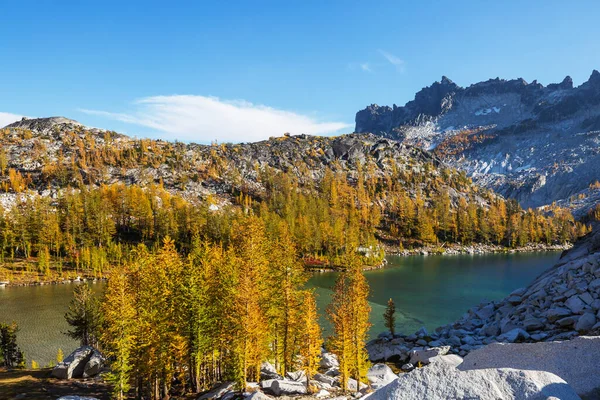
(241, 71)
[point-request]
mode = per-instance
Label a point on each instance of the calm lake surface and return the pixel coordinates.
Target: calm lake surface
(428, 290)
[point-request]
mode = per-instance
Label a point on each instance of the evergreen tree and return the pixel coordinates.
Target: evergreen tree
(310, 339)
(389, 316)
(252, 339)
(11, 355)
(83, 316)
(118, 334)
(349, 313)
(285, 299)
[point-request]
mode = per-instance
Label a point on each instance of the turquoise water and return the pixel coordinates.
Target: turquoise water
(432, 291)
(428, 290)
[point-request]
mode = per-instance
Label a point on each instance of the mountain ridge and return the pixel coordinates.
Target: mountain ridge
(534, 143)
(405, 194)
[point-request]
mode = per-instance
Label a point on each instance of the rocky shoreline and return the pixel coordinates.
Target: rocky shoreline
(79, 279)
(451, 250)
(456, 249)
(561, 304)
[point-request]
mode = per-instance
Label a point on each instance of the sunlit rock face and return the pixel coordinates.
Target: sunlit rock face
(537, 144)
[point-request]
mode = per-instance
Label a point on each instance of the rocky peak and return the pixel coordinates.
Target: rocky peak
(435, 99)
(594, 79)
(499, 86)
(566, 84)
(43, 124)
(446, 81)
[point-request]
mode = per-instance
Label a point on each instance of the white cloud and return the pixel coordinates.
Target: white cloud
(366, 67)
(362, 66)
(204, 119)
(8, 118)
(394, 60)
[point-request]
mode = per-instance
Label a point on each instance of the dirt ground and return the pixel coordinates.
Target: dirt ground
(38, 384)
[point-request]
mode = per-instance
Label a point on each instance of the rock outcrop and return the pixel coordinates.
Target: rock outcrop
(380, 375)
(439, 381)
(84, 362)
(575, 361)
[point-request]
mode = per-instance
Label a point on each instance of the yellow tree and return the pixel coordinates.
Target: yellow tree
(160, 338)
(349, 314)
(310, 340)
(251, 339)
(287, 277)
(358, 293)
(118, 335)
(338, 313)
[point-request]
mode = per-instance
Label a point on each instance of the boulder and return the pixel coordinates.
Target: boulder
(257, 396)
(485, 312)
(74, 365)
(491, 329)
(568, 321)
(329, 360)
(218, 391)
(586, 322)
(298, 376)
(424, 356)
(326, 379)
(575, 360)
(507, 325)
(407, 367)
(319, 385)
(595, 284)
(266, 384)
(575, 304)
(382, 351)
(513, 336)
(556, 313)
(268, 371)
(380, 375)
(450, 359)
(354, 386)
(439, 381)
(287, 388)
(94, 365)
(422, 332)
(454, 341)
(532, 324)
(230, 396)
(468, 340)
(587, 298)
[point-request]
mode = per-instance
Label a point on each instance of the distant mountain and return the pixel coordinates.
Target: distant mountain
(537, 144)
(58, 152)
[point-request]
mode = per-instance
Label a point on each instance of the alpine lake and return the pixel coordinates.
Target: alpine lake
(429, 291)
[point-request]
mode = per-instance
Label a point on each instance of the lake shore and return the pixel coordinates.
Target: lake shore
(449, 250)
(52, 281)
(456, 249)
(445, 249)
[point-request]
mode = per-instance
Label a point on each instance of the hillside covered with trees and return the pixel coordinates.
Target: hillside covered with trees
(78, 201)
